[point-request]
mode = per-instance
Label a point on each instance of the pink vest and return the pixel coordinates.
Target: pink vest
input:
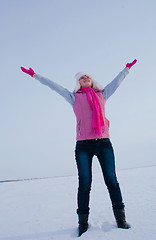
(84, 117)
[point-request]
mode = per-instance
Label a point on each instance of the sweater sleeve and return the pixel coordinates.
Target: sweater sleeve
(65, 93)
(114, 84)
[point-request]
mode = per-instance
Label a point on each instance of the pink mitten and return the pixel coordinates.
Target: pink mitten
(129, 65)
(29, 71)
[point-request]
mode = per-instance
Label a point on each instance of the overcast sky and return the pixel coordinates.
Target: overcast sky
(59, 38)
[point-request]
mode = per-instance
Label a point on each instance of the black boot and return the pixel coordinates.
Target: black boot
(83, 224)
(120, 218)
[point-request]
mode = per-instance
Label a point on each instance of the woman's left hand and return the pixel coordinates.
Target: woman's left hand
(129, 65)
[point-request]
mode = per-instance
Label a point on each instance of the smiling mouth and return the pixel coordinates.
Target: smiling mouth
(87, 82)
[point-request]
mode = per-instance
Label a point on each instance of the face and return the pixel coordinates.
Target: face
(85, 81)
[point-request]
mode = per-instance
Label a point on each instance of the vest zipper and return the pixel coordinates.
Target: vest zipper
(79, 128)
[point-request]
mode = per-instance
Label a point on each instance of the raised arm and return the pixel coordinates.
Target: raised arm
(113, 85)
(68, 96)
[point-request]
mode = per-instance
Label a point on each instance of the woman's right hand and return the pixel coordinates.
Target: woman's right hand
(29, 71)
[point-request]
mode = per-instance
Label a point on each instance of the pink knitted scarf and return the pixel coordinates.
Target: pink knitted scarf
(98, 121)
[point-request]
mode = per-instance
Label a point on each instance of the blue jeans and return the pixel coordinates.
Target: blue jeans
(84, 153)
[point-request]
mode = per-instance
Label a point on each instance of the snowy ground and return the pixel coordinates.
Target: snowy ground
(45, 209)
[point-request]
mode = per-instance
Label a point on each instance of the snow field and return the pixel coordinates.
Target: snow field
(45, 209)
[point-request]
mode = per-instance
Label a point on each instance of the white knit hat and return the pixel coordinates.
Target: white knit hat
(96, 86)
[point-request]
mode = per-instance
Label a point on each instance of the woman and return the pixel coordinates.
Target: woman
(88, 102)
